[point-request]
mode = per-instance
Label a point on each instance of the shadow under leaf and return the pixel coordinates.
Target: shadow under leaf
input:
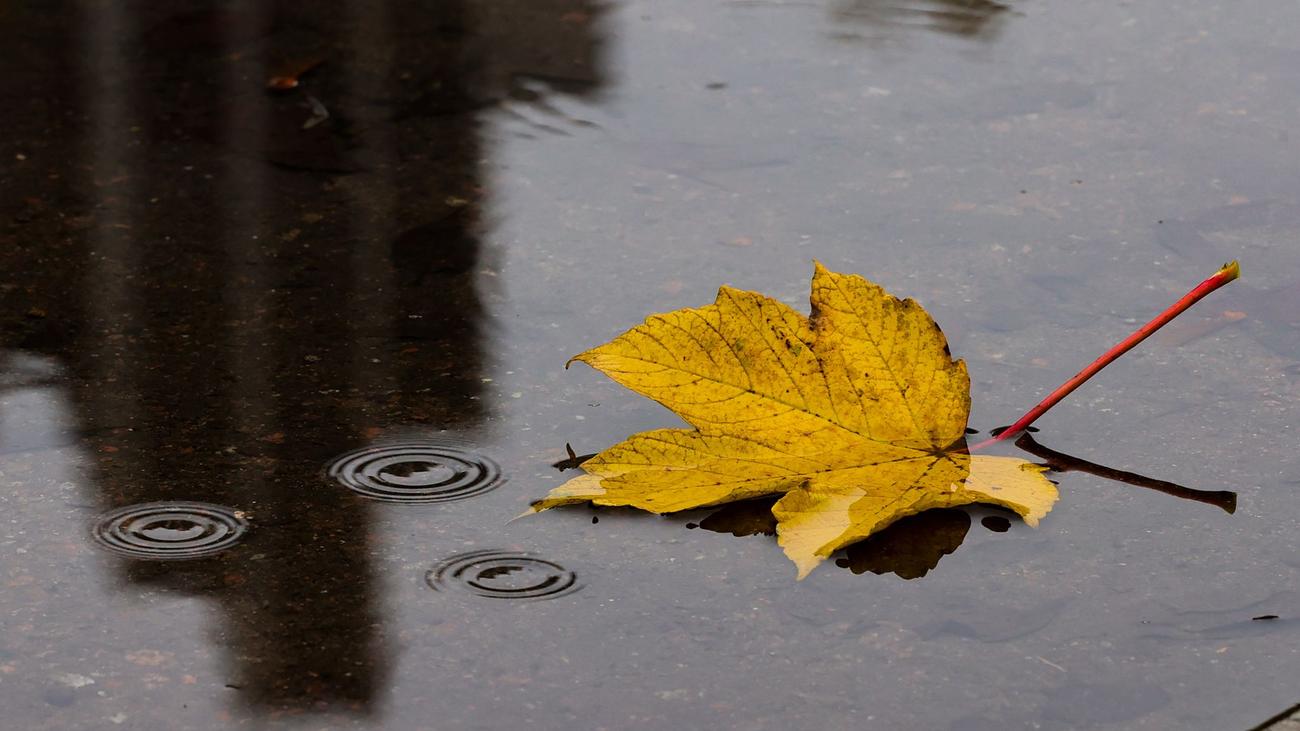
(745, 518)
(910, 547)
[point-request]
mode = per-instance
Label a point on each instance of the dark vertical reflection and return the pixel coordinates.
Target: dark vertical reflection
(245, 283)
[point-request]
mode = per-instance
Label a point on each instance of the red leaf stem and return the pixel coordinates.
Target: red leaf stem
(1229, 272)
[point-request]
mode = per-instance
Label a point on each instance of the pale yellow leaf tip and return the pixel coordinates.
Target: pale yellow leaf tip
(1229, 271)
(805, 565)
(580, 489)
(532, 510)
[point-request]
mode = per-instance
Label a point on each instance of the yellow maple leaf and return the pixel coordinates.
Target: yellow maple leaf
(857, 415)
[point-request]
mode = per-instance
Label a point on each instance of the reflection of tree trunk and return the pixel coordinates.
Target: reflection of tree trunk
(1059, 462)
(239, 298)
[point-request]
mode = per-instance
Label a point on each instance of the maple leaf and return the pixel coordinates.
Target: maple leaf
(857, 415)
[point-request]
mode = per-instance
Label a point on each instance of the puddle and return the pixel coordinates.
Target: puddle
(262, 255)
(416, 472)
(169, 531)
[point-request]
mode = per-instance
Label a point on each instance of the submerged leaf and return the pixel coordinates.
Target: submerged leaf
(857, 415)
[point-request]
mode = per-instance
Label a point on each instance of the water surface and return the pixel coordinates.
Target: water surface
(306, 305)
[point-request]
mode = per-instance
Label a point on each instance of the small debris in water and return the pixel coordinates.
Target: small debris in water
(74, 680)
(573, 461)
(318, 112)
(290, 77)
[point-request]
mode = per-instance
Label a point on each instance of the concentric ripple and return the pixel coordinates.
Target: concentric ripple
(502, 575)
(416, 472)
(169, 531)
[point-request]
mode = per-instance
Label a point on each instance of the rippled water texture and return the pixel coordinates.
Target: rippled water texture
(169, 531)
(416, 472)
(493, 574)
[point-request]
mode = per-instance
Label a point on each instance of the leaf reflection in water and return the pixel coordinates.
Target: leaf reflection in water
(911, 547)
